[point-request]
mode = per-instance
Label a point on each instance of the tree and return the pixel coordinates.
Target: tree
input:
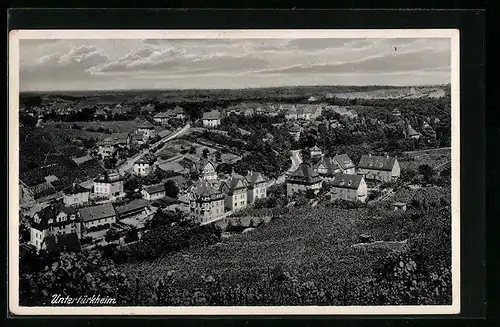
(310, 194)
(24, 231)
(205, 153)
(306, 156)
(218, 156)
(166, 218)
(75, 275)
(427, 172)
(111, 235)
(171, 189)
(192, 149)
(132, 235)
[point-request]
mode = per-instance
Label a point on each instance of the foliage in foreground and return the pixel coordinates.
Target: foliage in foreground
(418, 274)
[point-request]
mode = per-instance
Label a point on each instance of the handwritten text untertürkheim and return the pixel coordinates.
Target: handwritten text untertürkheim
(82, 300)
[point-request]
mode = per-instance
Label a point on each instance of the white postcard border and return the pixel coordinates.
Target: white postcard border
(13, 157)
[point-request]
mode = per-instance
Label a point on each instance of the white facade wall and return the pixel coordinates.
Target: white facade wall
(237, 201)
(292, 188)
(211, 122)
(75, 199)
(108, 189)
(99, 222)
(143, 169)
(152, 197)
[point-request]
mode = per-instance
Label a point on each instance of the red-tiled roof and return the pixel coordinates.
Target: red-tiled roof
(252, 178)
(204, 189)
(146, 125)
(101, 211)
(75, 189)
(211, 115)
(109, 176)
(304, 173)
(153, 189)
(344, 161)
(133, 205)
(330, 165)
(376, 162)
(347, 181)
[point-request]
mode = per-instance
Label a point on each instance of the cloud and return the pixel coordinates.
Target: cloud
(395, 61)
(176, 60)
(233, 62)
(63, 67)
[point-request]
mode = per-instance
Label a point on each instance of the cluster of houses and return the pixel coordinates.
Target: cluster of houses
(64, 223)
(307, 111)
(144, 132)
(410, 132)
(347, 181)
(83, 211)
(165, 118)
(213, 197)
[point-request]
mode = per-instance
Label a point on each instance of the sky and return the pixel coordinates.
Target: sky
(84, 65)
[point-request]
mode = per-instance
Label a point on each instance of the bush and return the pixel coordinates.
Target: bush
(345, 204)
(86, 240)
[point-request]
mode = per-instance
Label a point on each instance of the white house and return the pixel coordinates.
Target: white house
(348, 187)
(162, 118)
(412, 133)
(109, 183)
(134, 209)
(381, 168)
(316, 152)
(256, 186)
(153, 192)
(97, 217)
(290, 111)
(295, 131)
(328, 167)
(147, 130)
(75, 195)
(206, 169)
(211, 119)
(53, 220)
(108, 146)
(206, 202)
(236, 193)
(304, 178)
(178, 113)
(144, 165)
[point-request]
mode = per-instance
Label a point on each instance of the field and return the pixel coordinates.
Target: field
(118, 126)
(436, 158)
(66, 132)
(313, 244)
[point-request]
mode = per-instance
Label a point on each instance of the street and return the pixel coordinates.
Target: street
(127, 165)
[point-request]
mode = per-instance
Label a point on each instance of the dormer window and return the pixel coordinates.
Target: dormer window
(50, 220)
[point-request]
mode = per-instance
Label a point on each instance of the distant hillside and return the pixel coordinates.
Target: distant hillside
(296, 93)
(393, 93)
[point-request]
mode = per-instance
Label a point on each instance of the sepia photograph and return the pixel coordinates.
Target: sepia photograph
(234, 172)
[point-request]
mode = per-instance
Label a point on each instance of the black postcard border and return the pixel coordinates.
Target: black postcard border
(472, 101)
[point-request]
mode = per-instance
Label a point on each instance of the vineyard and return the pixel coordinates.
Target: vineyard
(435, 158)
(119, 126)
(312, 250)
